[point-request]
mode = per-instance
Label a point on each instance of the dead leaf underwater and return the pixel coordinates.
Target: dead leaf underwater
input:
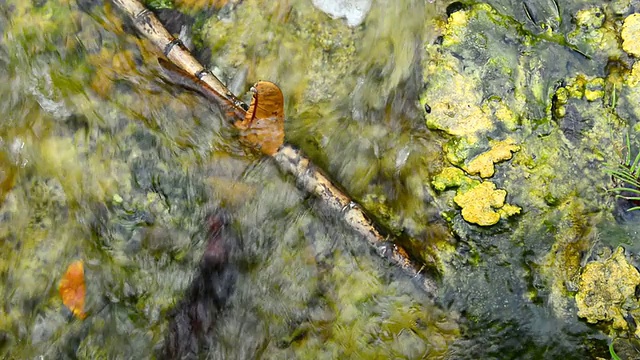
(263, 125)
(72, 289)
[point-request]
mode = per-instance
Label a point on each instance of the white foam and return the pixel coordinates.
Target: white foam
(353, 10)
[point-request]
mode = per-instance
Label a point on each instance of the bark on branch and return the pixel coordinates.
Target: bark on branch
(289, 159)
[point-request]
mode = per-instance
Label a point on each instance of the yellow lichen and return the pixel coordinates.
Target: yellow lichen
(630, 34)
(483, 163)
(606, 290)
(478, 204)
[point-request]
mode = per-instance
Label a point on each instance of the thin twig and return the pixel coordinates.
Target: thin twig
(289, 159)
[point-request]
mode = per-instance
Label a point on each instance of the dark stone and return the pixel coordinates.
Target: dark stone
(455, 7)
(573, 123)
(192, 321)
(174, 20)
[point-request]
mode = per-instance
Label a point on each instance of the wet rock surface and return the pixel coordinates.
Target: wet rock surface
(523, 105)
(607, 291)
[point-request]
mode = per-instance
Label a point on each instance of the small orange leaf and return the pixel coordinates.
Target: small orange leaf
(72, 289)
(263, 125)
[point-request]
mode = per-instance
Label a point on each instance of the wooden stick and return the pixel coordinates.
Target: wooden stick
(312, 180)
(149, 25)
(289, 159)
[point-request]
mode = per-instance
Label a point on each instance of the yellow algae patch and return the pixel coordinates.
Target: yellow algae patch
(501, 112)
(634, 77)
(455, 106)
(630, 35)
(452, 177)
(456, 28)
(509, 210)
(479, 205)
(483, 163)
(594, 89)
(606, 290)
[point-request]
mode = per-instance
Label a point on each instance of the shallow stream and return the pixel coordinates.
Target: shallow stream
(104, 160)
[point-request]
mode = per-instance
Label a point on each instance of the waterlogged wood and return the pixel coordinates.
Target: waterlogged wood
(262, 127)
(311, 179)
(234, 111)
(149, 25)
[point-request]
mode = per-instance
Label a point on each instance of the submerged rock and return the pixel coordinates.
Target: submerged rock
(194, 318)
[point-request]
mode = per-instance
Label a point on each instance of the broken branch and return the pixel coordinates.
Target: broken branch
(264, 125)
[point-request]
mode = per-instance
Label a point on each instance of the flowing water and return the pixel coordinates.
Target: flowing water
(102, 160)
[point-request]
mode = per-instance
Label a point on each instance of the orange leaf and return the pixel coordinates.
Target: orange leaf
(72, 289)
(263, 125)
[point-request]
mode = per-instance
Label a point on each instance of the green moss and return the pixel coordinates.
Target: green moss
(377, 204)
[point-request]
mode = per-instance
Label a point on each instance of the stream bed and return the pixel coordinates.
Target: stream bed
(476, 134)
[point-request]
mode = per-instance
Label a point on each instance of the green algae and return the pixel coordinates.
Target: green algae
(451, 177)
(607, 290)
(128, 187)
(564, 127)
(113, 170)
(594, 89)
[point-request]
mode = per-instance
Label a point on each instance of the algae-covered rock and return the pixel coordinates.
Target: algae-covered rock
(631, 34)
(607, 290)
(594, 89)
(594, 34)
(483, 163)
(591, 18)
(456, 105)
(480, 205)
(451, 177)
